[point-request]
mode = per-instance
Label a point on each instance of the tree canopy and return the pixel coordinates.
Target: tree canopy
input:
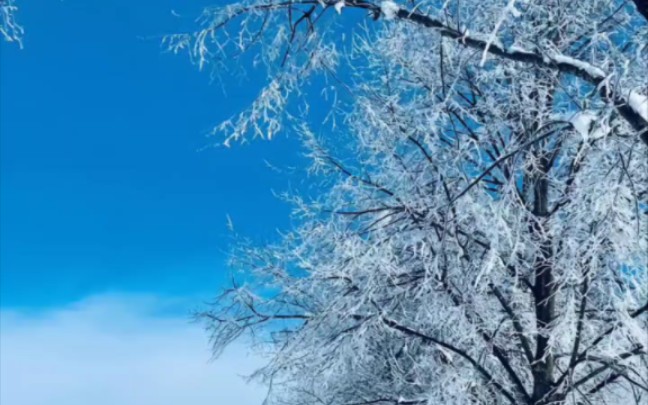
(482, 234)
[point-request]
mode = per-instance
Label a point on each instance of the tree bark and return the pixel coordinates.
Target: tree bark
(543, 291)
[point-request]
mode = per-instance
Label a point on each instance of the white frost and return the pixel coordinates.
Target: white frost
(510, 9)
(517, 49)
(389, 9)
(590, 69)
(338, 6)
(582, 122)
(639, 103)
(590, 125)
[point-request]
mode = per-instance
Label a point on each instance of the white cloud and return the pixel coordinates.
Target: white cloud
(123, 350)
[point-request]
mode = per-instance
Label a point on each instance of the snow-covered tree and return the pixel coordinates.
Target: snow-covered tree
(10, 30)
(482, 233)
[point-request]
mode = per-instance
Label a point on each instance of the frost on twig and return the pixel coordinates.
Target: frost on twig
(10, 30)
(282, 38)
(508, 10)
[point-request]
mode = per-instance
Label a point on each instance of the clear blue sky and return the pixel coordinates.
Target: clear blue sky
(103, 186)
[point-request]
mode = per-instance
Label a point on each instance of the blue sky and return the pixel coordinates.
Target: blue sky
(106, 202)
(104, 186)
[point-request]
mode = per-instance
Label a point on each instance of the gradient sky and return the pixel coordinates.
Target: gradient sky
(105, 192)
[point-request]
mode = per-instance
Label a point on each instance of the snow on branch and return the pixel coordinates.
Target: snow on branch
(631, 111)
(286, 32)
(389, 9)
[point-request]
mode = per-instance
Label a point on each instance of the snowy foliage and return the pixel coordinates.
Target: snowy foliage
(483, 237)
(10, 30)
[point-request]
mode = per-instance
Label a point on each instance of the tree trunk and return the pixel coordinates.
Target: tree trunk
(543, 292)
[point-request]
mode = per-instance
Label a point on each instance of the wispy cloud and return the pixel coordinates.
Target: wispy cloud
(110, 350)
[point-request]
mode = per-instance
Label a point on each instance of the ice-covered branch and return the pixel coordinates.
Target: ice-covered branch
(631, 105)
